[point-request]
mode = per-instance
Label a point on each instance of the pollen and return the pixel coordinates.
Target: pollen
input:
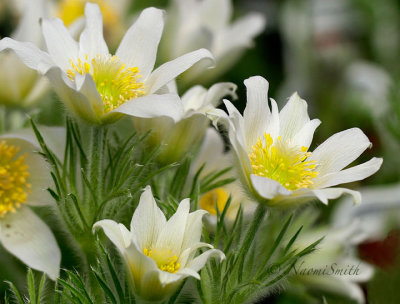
(214, 199)
(283, 163)
(115, 82)
(14, 186)
(165, 260)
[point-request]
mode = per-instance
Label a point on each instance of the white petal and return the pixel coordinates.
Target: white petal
(29, 27)
(199, 262)
(189, 252)
(148, 220)
(215, 14)
(305, 135)
(60, 45)
(157, 285)
(87, 86)
(352, 174)
(170, 70)
(78, 103)
(220, 90)
(27, 237)
(29, 54)
(238, 36)
(92, 42)
(332, 193)
(153, 106)
(117, 233)
(256, 115)
(274, 122)
(187, 272)
(268, 188)
(293, 117)
(339, 150)
(193, 98)
(193, 228)
(139, 45)
(172, 235)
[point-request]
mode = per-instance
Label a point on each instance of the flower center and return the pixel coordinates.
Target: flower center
(14, 186)
(164, 259)
(214, 199)
(282, 163)
(115, 82)
(70, 10)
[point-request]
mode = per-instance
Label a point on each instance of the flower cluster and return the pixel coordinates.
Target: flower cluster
(127, 147)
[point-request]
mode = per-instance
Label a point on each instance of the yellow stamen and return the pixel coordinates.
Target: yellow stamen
(282, 163)
(14, 186)
(213, 199)
(115, 82)
(164, 259)
(71, 10)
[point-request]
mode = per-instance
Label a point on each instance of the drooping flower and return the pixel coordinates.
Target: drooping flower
(24, 178)
(19, 85)
(100, 87)
(192, 24)
(178, 138)
(160, 254)
(272, 153)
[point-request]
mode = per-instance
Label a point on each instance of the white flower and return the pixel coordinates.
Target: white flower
(192, 24)
(24, 178)
(378, 214)
(159, 253)
(214, 158)
(180, 137)
(99, 87)
(334, 266)
(271, 148)
(20, 85)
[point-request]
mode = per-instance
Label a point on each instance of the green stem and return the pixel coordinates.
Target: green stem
(246, 242)
(250, 235)
(96, 161)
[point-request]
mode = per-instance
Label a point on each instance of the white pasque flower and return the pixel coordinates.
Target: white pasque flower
(100, 87)
(271, 148)
(24, 177)
(159, 253)
(20, 85)
(334, 267)
(192, 24)
(185, 135)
